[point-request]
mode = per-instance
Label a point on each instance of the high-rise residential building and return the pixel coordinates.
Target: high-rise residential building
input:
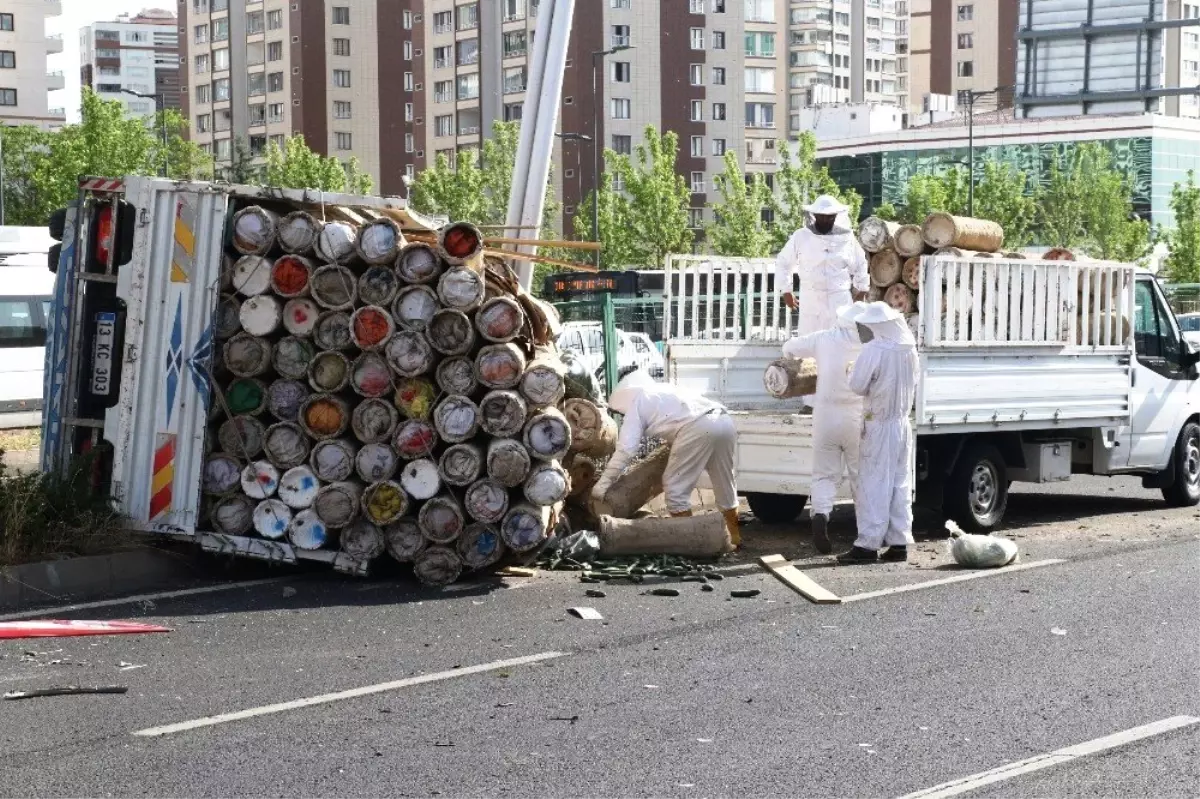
(960, 47)
(132, 56)
(24, 78)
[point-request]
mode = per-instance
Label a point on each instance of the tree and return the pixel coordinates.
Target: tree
(296, 166)
(1002, 196)
(659, 198)
(615, 223)
(243, 170)
(798, 182)
(1089, 205)
(738, 229)
(1182, 264)
(927, 193)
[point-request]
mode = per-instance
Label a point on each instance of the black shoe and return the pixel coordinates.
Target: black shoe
(895, 555)
(858, 555)
(820, 533)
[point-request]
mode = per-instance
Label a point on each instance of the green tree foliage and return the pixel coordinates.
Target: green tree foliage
(42, 168)
(1089, 205)
(1182, 264)
(659, 198)
(296, 166)
(1002, 196)
(927, 193)
(243, 169)
(799, 181)
(738, 229)
(615, 223)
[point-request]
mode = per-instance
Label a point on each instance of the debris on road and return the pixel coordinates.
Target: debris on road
(798, 581)
(587, 614)
(594, 594)
(1057, 631)
(980, 551)
(67, 690)
(747, 593)
(664, 592)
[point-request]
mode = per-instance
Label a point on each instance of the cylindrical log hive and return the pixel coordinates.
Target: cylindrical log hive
(370, 327)
(332, 331)
(461, 288)
(415, 397)
(329, 371)
(593, 432)
(246, 355)
(254, 230)
(409, 353)
(384, 502)
(548, 435)
(414, 307)
(252, 275)
(243, 436)
(460, 243)
(461, 464)
(233, 515)
(499, 320)
(912, 273)
(286, 445)
(414, 439)
(335, 288)
(456, 419)
(787, 378)
(451, 332)
(544, 380)
(500, 365)
(875, 235)
(420, 479)
(376, 462)
(886, 268)
(297, 233)
(308, 531)
(480, 546)
(418, 263)
(547, 484)
(272, 519)
(379, 241)
(636, 486)
(290, 276)
(370, 375)
(404, 540)
(944, 230)
(1058, 254)
(437, 566)
(374, 420)
(332, 460)
(324, 416)
(259, 480)
(362, 540)
(298, 487)
(300, 316)
(292, 356)
(908, 241)
(456, 375)
(486, 501)
(901, 297)
(227, 321)
(526, 526)
(335, 243)
(508, 462)
(246, 395)
(378, 286)
(284, 398)
(221, 474)
(441, 519)
(338, 504)
(503, 413)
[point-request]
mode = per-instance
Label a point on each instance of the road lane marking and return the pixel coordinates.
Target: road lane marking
(958, 578)
(353, 693)
(1055, 758)
(130, 600)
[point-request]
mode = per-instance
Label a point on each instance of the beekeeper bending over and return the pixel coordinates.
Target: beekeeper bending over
(837, 414)
(885, 374)
(701, 435)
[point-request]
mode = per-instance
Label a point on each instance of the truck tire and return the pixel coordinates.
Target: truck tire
(776, 508)
(977, 491)
(1184, 492)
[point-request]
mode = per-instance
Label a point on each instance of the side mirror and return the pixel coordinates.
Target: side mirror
(1188, 358)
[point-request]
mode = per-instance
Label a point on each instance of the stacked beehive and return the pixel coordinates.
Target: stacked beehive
(379, 394)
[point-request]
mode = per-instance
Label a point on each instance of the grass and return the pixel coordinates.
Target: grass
(21, 439)
(53, 516)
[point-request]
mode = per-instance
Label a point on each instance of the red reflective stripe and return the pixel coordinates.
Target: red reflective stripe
(164, 455)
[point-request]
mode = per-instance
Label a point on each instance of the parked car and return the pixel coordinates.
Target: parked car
(25, 293)
(586, 340)
(1189, 325)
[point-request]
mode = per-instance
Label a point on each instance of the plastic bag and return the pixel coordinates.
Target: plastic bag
(980, 551)
(581, 547)
(580, 382)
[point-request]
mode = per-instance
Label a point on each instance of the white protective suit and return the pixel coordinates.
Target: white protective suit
(700, 432)
(837, 411)
(829, 266)
(885, 373)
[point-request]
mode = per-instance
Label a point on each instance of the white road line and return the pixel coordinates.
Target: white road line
(296, 704)
(1055, 758)
(130, 600)
(958, 578)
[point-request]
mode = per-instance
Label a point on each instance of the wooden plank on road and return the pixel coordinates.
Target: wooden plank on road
(798, 581)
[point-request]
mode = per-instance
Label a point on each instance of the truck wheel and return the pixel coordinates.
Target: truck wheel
(1185, 491)
(977, 491)
(776, 508)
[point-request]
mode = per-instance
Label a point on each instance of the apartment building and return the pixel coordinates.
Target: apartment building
(25, 80)
(964, 47)
(133, 60)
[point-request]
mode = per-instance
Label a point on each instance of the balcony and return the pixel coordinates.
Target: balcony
(57, 113)
(619, 41)
(55, 81)
(468, 131)
(54, 43)
(445, 27)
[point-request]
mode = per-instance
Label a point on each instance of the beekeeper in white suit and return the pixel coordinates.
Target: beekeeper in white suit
(885, 374)
(837, 414)
(701, 435)
(830, 262)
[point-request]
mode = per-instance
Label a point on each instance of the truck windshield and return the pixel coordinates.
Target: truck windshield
(1154, 334)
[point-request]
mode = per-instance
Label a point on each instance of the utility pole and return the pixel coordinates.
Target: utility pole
(971, 96)
(597, 58)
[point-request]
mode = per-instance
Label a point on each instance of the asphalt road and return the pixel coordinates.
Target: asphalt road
(697, 695)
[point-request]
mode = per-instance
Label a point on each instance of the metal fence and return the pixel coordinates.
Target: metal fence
(612, 314)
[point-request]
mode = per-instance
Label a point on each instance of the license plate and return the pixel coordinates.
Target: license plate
(102, 353)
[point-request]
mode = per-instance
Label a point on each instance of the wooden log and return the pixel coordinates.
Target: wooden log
(875, 294)
(404, 539)
(335, 288)
(246, 395)
(362, 540)
(379, 241)
(286, 445)
(332, 460)
(370, 327)
(243, 436)
(460, 243)
(246, 355)
(461, 464)
(290, 276)
(1092, 333)
(508, 462)
(500, 366)
(284, 398)
(332, 331)
(544, 380)
(375, 462)
(384, 502)
(584, 474)
(298, 487)
(254, 230)
(300, 316)
(548, 435)
(908, 241)
(702, 535)
(480, 546)
(221, 474)
(1058, 254)
(461, 288)
(374, 420)
(875, 234)
(271, 519)
(307, 531)
(547, 484)
(593, 432)
(378, 286)
(886, 268)
(292, 357)
(526, 526)
(437, 566)
(370, 375)
(944, 230)
(912, 273)
(259, 480)
(637, 485)
(409, 353)
(901, 297)
(297, 233)
(335, 243)
(787, 378)
(500, 319)
(456, 375)
(414, 307)
(233, 515)
(338, 504)
(503, 413)
(420, 479)
(324, 416)
(456, 418)
(418, 264)
(252, 275)
(415, 438)
(329, 371)
(441, 519)
(953, 252)
(415, 397)
(486, 500)
(227, 321)
(451, 332)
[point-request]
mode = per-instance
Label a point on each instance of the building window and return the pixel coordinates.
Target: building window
(514, 10)
(760, 115)
(258, 114)
(622, 144)
(6, 24)
(341, 15)
(620, 72)
(441, 57)
(255, 53)
(443, 22)
(718, 112)
(274, 20)
(443, 91)
(468, 17)
(341, 109)
(718, 76)
(275, 112)
(220, 59)
(696, 74)
(275, 82)
(408, 81)
(760, 45)
(275, 51)
(468, 52)
(514, 80)
(221, 90)
(256, 84)
(620, 36)
(343, 141)
(407, 20)
(200, 34)
(407, 50)
(966, 41)
(443, 125)
(697, 38)
(697, 183)
(697, 147)
(201, 67)
(468, 87)
(341, 78)
(203, 94)
(718, 40)
(718, 147)
(619, 108)
(108, 88)
(254, 22)
(760, 80)
(696, 6)
(513, 112)
(697, 111)
(966, 12)
(515, 44)
(966, 69)
(408, 112)
(408, 143)
(761, 11)
(341, 47)
(202, 123)
(695, 217)
(220, 29)
(718, 6)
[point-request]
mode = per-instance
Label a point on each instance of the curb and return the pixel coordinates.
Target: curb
(93, 577)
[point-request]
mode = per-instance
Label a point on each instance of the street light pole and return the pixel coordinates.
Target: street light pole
(160, 104)
(597, 58)
(972, 96)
